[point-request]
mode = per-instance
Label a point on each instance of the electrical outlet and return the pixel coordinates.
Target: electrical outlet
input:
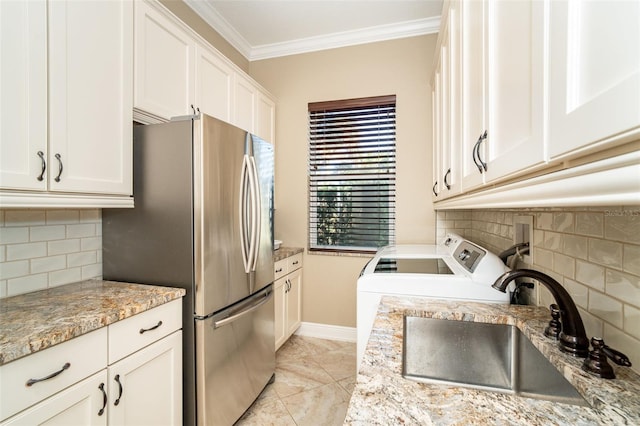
(523, 233)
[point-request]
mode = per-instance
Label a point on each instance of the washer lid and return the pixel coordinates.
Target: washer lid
(412, 266)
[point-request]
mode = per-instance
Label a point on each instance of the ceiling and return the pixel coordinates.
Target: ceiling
(262, 29)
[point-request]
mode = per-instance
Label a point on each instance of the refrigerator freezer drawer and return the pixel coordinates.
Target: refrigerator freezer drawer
(235, 358)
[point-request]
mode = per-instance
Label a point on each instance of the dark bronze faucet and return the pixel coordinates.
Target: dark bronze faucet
(573, 338)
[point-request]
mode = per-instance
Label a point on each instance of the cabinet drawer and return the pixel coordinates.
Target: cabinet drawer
(280, 269)
(85, 355)
(294, 262)
(138, 331)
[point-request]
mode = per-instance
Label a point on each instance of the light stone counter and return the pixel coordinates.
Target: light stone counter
(284, 252)
(383, 397)
(35, 321)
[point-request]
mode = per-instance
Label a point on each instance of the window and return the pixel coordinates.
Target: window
(352, 168)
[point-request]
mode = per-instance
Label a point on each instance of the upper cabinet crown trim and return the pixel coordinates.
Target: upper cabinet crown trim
(311, 44)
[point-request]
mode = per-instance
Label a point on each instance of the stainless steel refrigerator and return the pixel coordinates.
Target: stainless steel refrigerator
(203, 221)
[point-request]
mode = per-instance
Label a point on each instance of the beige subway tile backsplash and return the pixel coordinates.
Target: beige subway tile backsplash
(47, 248)
(605, 252)
(631, 261)
(624, 287)
(590, 223)
(593, 251)
(622, 228)
(590, 274)
(632, 321)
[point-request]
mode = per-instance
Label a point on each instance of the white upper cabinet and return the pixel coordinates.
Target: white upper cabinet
(245, 98)
(594, 74)
(214, 84)
(447, 109)
(90, 103)
(473, 90)
(164, 65)
(266, 118)
(66, 112)
(23, 94)
(179, 73)
(543, 85)
(514, 56)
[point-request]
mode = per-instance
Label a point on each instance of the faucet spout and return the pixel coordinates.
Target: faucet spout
(573, 338)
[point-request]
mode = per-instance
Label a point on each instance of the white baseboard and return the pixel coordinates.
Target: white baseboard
(326, 331)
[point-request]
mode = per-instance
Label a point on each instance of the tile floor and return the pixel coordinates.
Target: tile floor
(314, 381)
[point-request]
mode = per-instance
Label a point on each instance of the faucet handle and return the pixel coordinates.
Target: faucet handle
(616, 356)
(596, 362)
(553, 329)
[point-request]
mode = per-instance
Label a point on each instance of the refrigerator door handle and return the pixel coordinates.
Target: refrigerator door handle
(244, 239)
(256, 209)
(244, 310)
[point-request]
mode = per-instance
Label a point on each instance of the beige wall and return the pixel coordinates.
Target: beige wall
(400, 67)
(189, 17)
(593, 252)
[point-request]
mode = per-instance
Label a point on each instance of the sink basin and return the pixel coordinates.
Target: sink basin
(493, 357)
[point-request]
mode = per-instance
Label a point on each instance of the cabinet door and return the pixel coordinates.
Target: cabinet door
(473, 85)
(449, 107)
(90, 107)
(594, 72)
(23, 94)
(279, 296)
(214, 84)
(435, 172)
(145, 388)
(294, 301)
(514, 143)
(164, 65)
(245, 94)
(266, 118)
(83, 404)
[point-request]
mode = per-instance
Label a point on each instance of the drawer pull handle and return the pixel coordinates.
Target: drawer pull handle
(60, 168)
(143, 330)
(44, 166)
(104, 399)
(295, 263)
(278, 270)
(31, 382)
(117, 379)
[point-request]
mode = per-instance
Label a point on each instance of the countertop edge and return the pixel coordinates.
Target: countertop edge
(36, 321)
(616, 401)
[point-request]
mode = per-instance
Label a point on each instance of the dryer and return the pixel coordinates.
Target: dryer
(454, 269)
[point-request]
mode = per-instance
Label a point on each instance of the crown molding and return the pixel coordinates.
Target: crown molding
(311, 44)
(211, 16)
(347, 38)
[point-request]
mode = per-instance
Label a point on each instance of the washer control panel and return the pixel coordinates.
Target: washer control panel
(468, 255)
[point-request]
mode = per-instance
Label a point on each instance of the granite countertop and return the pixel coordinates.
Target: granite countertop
(284, 252)
(34, 321)
(382, 396)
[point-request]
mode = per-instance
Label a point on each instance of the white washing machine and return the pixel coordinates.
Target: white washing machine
(454, 269)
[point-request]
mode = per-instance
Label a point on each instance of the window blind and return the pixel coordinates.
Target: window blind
(352, 168)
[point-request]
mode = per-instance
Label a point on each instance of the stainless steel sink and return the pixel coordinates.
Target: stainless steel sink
(493, 357)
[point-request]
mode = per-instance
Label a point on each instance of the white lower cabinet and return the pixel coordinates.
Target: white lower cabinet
(288, 298)
(78, 383)
(84, 403)
(145, 388)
